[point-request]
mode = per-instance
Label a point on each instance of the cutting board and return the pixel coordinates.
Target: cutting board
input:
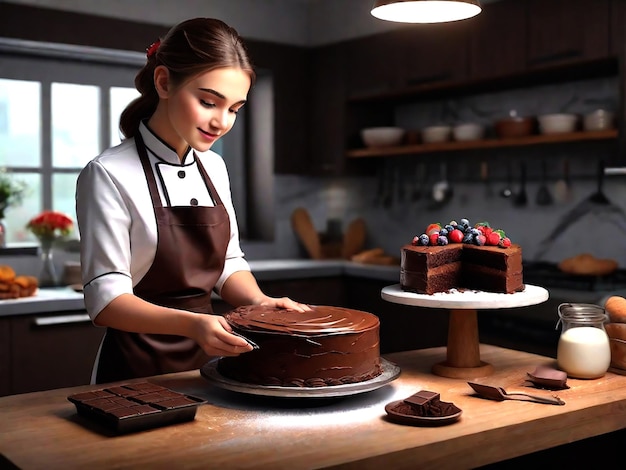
(305, 230)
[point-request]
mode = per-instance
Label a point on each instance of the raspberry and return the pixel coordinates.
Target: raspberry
(480, 240)
(415, 241)
(433, 238)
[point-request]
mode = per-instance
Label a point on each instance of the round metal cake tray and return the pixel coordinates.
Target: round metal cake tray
(390, 372)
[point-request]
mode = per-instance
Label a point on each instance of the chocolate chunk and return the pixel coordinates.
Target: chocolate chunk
(548, 377)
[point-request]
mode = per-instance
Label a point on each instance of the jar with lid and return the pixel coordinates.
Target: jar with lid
(583, 350)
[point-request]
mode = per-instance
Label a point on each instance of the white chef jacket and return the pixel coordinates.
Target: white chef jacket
(116, 219)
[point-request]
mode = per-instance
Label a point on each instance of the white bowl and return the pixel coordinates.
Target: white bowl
(468, 131)
(382, 136)
(557, 123)
(433, 134)
(598, 120)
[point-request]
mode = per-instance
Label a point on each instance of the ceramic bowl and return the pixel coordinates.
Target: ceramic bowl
(599, 120)
(382, 136)
(468, 131)
(557, 123)
(434, 134)
(514, 126)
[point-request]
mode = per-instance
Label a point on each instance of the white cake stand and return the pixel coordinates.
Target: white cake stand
(463, 352)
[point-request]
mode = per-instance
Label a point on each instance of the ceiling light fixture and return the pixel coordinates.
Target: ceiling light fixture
(425, 11)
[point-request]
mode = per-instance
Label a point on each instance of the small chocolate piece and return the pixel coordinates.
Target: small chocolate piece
(422, 401)
(176, 402)
(548, 377)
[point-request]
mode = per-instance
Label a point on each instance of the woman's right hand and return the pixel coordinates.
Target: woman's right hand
(214, 335)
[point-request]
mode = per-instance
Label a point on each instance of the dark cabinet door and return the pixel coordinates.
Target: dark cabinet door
(565, 31)
(5, 356)
(618, 22)
(434, 54)
(373, 64)
(288, 68)
(327, 111)
(52, 350)
(498, 40)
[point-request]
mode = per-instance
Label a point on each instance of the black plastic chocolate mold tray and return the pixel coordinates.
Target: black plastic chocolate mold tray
(136, 407)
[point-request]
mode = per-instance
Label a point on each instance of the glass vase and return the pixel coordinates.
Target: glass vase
(3, 233)
(48, 275)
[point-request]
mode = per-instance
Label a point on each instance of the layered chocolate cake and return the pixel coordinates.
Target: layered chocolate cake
(459, 256)
(324, 347)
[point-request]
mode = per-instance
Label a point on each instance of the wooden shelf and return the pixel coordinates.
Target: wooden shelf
(482, 144)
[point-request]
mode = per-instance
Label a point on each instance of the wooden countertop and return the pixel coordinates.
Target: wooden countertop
(42, 429)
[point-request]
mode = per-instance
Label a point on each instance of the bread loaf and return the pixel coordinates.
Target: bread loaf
(615, 307)
(588, 265)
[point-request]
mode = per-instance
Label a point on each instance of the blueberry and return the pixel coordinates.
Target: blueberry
(424, 240)
(465, 222)
(468, 237)
(442, 240)
(475, 232)
(443, 232)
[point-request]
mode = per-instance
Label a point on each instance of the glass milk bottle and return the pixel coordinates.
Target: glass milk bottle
(583, 351)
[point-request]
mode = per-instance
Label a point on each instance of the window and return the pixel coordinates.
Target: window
(59, 108)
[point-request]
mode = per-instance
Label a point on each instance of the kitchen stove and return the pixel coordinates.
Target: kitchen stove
(548, 275)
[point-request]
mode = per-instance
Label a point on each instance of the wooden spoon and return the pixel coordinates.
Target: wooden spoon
(304, 228)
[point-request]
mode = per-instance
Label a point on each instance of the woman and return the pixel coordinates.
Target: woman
(157, 224)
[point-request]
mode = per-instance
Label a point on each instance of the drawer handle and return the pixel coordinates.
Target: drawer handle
(62, 319)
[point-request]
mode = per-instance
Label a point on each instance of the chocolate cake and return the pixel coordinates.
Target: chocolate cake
(324, 347)
(473, 261)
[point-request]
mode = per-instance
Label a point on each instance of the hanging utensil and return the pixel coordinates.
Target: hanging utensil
(442, 191)
(562, 186)
(417, 189)
(521, 199)
(596, 203)
(507, 192)
(544, 197)
(484, 176)
(500, 394)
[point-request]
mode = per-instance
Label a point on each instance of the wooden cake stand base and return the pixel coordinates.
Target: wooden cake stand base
(463, 347)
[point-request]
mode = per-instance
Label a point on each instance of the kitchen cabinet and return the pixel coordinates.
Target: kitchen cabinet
(327, 110)
(5, 357)
(497, 42)
(373, 64)
(617, 35)
(434, 53)
(288, 68)
(48, 351)
(402, 327)
(566, 31)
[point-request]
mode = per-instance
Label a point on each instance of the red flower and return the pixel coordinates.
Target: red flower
(50, 224)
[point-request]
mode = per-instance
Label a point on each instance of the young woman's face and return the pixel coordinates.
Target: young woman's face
(204, 109)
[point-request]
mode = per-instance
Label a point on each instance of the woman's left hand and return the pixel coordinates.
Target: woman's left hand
(285, 302)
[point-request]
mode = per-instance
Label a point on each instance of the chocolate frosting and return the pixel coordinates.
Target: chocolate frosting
(320, 320)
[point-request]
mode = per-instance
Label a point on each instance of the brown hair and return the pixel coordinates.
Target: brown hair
(190, 48)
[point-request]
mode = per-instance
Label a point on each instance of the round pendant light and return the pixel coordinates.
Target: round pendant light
(425, 11)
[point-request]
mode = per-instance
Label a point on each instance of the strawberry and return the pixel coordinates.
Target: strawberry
(456, 236)
(505, 242)
(493, 239)
(432, 228)
(433, 238)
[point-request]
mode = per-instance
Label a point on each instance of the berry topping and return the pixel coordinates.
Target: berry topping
(462, 232)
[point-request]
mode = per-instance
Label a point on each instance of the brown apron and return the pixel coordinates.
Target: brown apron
(190, 256)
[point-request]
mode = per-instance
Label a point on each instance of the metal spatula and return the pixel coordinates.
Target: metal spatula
(499, 394)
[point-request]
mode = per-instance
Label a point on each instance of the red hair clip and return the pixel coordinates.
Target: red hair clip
(150, 51)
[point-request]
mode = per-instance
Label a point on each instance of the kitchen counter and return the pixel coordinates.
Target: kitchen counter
(65, 299)
(233, 430)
